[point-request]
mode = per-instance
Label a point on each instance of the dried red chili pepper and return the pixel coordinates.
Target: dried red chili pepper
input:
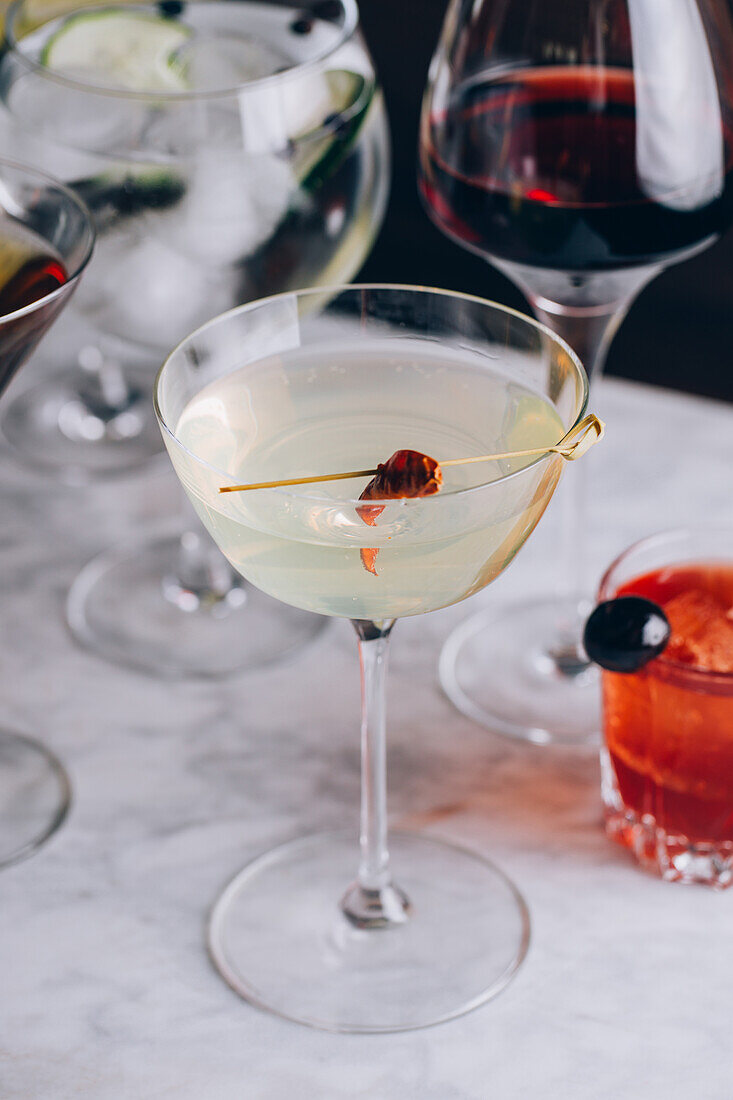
(405, 474)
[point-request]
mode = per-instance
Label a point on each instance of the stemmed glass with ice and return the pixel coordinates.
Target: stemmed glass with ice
(227, 151)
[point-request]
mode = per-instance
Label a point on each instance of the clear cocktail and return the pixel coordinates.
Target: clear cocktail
(314, 411)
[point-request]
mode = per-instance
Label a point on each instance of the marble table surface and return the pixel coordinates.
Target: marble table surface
(107, 993)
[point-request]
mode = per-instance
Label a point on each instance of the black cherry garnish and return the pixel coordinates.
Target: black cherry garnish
(624, 634)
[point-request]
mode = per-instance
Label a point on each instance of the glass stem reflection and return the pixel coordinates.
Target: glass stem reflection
(200, 578)
(373, 901)
(106, 404)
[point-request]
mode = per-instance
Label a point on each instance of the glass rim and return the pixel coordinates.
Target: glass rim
(690, 674)
(349, 29)
(76, 271)
(331, 292)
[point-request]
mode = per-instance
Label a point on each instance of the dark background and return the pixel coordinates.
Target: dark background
(680, 329)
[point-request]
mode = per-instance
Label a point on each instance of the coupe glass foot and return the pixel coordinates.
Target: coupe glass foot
(279, 936)
(65, 427)
(127, 606)
(35, 796)
(520, 671)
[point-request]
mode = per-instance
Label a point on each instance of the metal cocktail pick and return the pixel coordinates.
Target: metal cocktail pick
(574, 444)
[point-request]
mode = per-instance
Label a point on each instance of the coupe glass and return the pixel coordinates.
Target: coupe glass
(34, 788)
(261, 166)
(581, 146)
(334, 379)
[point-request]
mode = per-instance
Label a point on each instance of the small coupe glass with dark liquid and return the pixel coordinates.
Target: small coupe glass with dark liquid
(46, 239)
(34, 278)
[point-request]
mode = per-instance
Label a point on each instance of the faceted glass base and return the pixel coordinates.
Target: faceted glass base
(674, 857)
(279, 938)
(127, 605)
(35, 796)
(66, 427)
(520, 671)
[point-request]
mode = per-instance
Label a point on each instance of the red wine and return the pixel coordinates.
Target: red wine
(29, 271)
(539, 167)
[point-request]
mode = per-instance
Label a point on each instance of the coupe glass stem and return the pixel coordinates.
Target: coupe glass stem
(373, 653)
(373, 900)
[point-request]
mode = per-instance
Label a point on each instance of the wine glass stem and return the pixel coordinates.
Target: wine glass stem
(373, 900)
(589, 332)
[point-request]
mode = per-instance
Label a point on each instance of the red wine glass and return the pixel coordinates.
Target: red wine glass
(581, 146)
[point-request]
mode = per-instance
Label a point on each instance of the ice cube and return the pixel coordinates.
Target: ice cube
(233, 204)
(702, 632)
(141, 290)
(71, 116)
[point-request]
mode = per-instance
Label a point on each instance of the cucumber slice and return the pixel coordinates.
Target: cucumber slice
(319, 152)
(130, 50)
(113, 197)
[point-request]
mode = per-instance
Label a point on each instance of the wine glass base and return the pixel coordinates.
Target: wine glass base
(280, 940)
(520, 672)
(52, 428)
(118, 608)
(35, 796)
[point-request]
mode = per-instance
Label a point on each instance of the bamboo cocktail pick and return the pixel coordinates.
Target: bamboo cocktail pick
(574, 444)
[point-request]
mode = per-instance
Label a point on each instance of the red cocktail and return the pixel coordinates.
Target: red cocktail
(668, 759)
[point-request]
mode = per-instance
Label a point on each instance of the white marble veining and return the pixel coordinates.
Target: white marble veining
(107, 993)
